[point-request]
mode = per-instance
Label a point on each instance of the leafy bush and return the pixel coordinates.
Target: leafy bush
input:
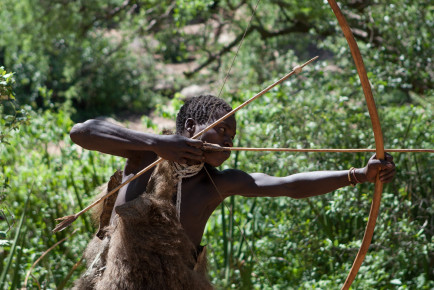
(67, 53)
(12, 115)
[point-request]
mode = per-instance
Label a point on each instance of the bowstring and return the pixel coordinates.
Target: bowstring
(232, 62)
(209, 119)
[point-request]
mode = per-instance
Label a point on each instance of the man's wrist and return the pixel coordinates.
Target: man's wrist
(154, 141)
(360, 175)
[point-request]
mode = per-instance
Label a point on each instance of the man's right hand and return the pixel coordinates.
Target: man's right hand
(179, 149)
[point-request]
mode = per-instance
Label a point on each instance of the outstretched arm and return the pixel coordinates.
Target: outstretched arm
(116, 140)
(302, 185)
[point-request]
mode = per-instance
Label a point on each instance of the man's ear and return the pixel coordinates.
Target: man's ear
(190, 127)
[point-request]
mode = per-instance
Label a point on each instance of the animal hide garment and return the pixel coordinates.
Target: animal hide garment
(146, 246)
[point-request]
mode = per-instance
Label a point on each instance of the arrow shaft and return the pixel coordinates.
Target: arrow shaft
(208, 147)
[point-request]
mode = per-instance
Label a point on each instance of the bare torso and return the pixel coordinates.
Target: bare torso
(199, 197)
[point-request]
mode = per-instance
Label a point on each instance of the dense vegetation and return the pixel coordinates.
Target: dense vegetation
(72, 60)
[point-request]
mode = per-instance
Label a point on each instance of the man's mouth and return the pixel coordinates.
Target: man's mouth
(210, 147)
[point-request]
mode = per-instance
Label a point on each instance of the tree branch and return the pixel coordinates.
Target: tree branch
(297, 27)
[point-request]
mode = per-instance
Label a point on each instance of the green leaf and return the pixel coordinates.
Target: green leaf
(5, 243)
(396, 282)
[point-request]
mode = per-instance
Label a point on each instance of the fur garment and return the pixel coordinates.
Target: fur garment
(146, 246)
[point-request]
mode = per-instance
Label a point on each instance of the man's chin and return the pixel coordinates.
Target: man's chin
(217, 158)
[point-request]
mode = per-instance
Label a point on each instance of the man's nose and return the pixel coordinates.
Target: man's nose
(228, 142)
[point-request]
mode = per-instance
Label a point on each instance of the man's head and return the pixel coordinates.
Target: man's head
(203, 109)
(197, 113)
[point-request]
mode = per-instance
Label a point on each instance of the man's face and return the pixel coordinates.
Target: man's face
(223, 135)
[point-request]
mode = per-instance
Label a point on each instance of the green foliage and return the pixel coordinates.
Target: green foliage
(312, 243)
(75, 59)
(70, 50)
(104, 56)
(408, 52)
(6, 82)
(60, 178)
(11, 115)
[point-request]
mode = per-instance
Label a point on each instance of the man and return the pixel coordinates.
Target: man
(201, 193)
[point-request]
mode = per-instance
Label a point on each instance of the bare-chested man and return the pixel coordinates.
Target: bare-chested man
(199, 196)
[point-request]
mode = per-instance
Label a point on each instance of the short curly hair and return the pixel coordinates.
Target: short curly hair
(202, 109)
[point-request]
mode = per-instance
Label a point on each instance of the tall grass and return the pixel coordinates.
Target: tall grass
(14, 246)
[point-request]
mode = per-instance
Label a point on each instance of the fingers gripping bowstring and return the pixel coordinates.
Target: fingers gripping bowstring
(209, 119)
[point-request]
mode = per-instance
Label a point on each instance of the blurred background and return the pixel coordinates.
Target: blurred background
(134, 62)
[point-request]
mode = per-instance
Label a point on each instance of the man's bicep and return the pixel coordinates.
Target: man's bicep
(257, 185)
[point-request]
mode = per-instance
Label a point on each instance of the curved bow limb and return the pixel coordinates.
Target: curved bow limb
(378, 135)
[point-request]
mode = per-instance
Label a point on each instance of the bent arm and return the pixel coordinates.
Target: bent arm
(116, 140)
(112, 139)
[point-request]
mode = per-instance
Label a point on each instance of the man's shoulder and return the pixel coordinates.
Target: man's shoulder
(229, 180)
(225, 173)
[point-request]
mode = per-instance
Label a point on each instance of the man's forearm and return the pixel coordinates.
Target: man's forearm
(320, 182)
(110, 138)
(300, 185)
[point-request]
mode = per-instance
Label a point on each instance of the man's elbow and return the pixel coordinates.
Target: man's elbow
(74, 134)
(81, 131)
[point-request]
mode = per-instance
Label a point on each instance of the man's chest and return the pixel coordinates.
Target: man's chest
(198, 202)
(198, 199)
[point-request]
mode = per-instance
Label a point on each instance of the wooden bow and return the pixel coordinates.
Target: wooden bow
(378, 135)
